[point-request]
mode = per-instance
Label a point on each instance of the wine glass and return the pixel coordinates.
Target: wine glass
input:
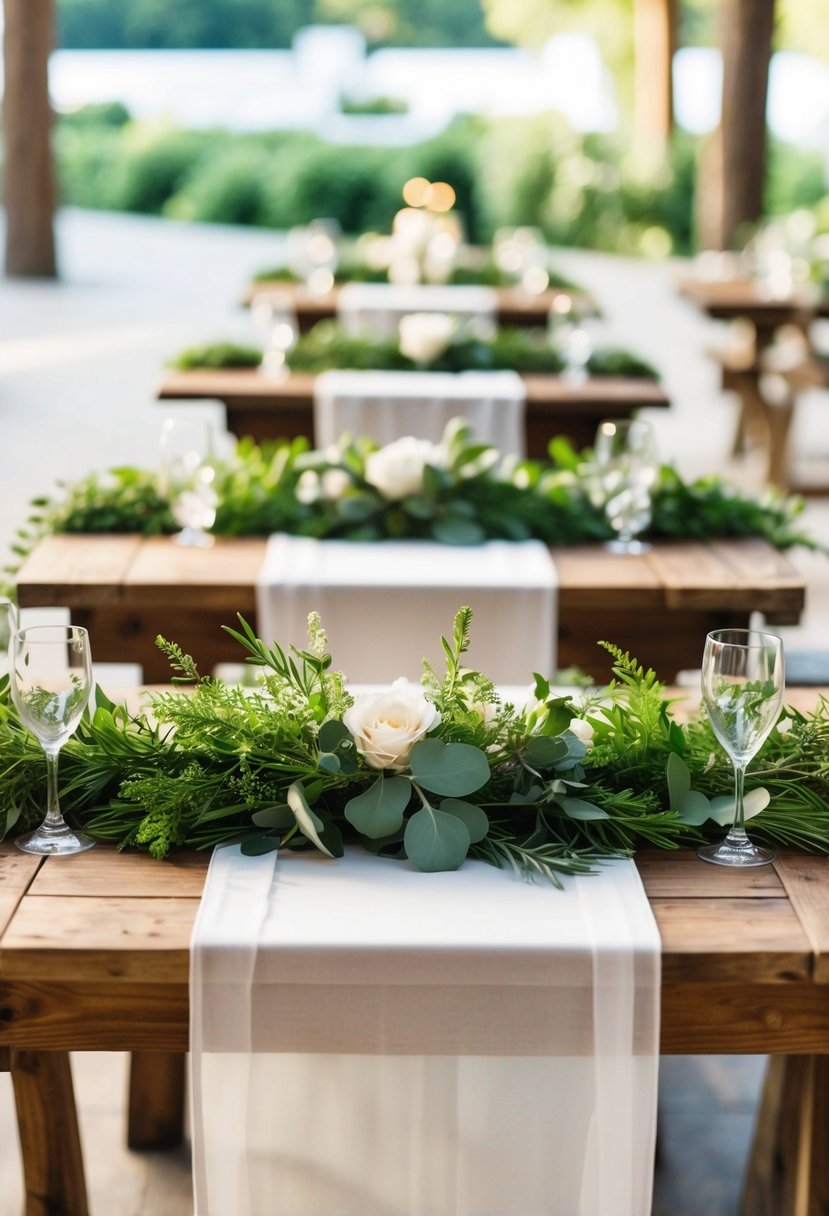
(186, 475)
(51, 679)
(8, 628)
(742, 687)
(274, 314)
(625, 466)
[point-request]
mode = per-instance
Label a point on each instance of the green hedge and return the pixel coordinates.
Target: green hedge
(579, 190)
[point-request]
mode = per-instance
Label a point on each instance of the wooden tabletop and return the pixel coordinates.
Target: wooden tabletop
(727, 299)
(267, 409)
(94, 951)
(514, 306)
(127, 589)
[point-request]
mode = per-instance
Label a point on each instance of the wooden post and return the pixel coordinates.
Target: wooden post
(27, 121)
(155, 1112)
(746, 28)
(655, 37)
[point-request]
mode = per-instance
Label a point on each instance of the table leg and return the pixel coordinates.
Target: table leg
(47, 1123)
(788, 1169)
(155, 1116)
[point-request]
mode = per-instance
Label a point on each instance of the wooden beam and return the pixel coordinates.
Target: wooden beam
(746, 29)
(27, 121)
(655, 37)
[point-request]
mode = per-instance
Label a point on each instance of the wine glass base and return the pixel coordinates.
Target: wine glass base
(726, 854)
(194, 538)
(54, 842)
(627, 546)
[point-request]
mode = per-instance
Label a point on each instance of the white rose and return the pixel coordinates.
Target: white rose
(397, 469)
(308, 487)
(335, 482)
(386, 725)
(582, 730)
(425, 335)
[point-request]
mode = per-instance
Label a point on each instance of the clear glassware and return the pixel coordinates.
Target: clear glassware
(187, 474)
(50, 681)
(275, 315)
(625, 467)
(742, 688)
(8, 628)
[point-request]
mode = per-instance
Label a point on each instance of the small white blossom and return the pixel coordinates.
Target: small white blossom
(582, 730)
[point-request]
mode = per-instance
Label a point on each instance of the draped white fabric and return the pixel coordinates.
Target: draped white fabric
(385, 406)
(385, 605)
(376, 308)
(370, 1041)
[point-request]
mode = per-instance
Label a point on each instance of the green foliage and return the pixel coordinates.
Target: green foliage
(215, 355)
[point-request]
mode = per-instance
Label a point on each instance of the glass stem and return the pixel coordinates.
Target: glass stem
(54, 819)
(737, 833)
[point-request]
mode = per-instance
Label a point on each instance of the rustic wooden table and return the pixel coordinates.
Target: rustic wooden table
(271, 409)
(94, 955)
(659, 606)
(514, 307)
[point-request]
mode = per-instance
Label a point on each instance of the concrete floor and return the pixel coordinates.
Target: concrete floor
(78, 363)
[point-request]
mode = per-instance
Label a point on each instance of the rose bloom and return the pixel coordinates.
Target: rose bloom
(387, 724)
(425, 335)
(582, 730)
(396, 470)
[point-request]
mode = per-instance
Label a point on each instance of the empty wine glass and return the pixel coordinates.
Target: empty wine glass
(625, 467)
(51, 679)
(8, 628)
(187, 475)
(742, 687)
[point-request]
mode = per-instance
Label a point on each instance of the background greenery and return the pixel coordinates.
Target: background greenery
(583, 190)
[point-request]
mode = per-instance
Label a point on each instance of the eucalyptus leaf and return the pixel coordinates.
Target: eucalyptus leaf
(329, 762)
(308, 823)
(333, 734)
(453, 530)
(544, 752)
(693, 809)
(257, 844)
(435, 841)
(724, 808)
(473, 818)
(577, 808)
(280, 816)
(679, 780)
(453, 769)
(378, 811)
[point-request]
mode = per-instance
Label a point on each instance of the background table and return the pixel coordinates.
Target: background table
(94, 955)
(659, 606)
(270, 409)
(515, 307)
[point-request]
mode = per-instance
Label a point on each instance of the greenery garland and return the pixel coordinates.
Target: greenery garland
(549, 788)
(467, 494)
(487, 274)
(327, 345)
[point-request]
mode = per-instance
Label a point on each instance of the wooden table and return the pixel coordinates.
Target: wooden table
(270, 409)
(514, 307)
(126, 590)
(94, 956)
(764, 422)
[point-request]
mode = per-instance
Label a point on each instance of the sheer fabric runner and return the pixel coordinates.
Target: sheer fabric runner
(391, 405)
(385, 605)
(376, 308)
(370, 1041)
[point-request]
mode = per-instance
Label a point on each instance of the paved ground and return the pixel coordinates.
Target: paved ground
(78, 363)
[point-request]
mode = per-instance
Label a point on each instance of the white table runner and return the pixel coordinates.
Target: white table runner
(385, 406)
(370, 1041)
(385, 605)
(376, 308)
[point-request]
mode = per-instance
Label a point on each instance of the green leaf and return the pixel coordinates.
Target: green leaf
(679, 780)
(378, 811)
(308, 823)
(280, 816)
(435, 841)
(560, 713)
(453, 530)
(543, 752)
(473, 818)
(577, 808)
(258, 844)
(724, 808)
(328, 762)
(693, 809)
(102, 701)
(453, 769)
(332, 734)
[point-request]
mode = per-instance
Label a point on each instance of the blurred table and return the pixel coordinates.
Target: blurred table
(515, 307)
(127, 589)
(94, 955)
(270, 409)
